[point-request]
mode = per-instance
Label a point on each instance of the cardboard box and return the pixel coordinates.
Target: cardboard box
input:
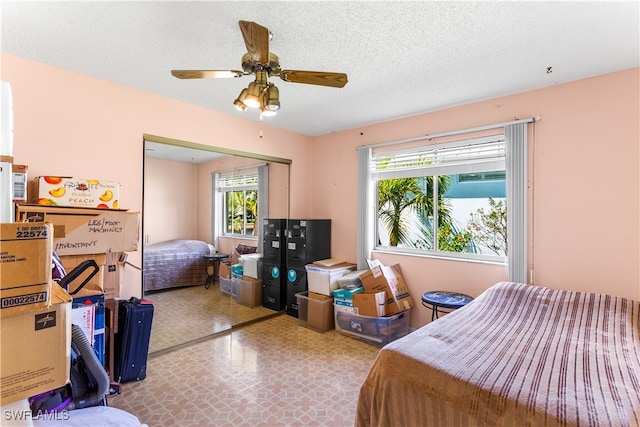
(19, 183)
(108, 278)
(315, 311)
(36, 348)
(388, 279)
(75, 192)
(323, 279)
(25, 258)
(224, 270)
(370, 304)
(86, 231)
(112, 275)
(247, 291)
(346, 294)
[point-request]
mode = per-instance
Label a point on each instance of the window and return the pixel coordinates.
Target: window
(442, 198)
(240, 203)
(448, 199)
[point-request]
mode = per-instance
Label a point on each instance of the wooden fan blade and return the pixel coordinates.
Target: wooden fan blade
(206, 74)
(314, 78)
(256, 38)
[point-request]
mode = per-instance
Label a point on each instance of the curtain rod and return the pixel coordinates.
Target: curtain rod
(449, 133)
(241, 168)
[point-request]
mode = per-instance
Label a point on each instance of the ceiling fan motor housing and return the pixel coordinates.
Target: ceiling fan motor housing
(250, 66)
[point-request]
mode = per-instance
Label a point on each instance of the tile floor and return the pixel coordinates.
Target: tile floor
(190, 313)
(270, 373)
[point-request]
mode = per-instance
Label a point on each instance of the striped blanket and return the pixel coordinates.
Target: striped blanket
(518, 355)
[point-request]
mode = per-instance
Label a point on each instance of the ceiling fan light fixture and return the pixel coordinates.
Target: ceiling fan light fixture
(239, 102)
(252, 98)
(272, 98)
(268, 113)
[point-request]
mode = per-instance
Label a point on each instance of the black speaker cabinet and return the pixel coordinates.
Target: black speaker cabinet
(308, 240)
(274, 241)
(274, 286)
(296, 283)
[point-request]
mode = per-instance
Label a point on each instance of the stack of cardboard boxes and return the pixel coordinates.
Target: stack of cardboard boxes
(88, 233)
(315, 306)
(35, 314)
(242, 280)
(377, 311)
(99, 232)
(81, 234)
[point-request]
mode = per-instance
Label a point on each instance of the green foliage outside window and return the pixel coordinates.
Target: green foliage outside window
(490, 227)
(242, 211)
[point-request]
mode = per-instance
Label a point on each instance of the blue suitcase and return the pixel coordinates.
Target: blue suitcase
(132, 340)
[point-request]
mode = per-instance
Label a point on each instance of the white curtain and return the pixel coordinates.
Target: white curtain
(517, 230)
(366, 209)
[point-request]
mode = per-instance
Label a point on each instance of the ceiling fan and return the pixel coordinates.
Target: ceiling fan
(263, 64)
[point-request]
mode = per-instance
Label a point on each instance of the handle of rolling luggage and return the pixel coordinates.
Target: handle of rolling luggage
(67, 278)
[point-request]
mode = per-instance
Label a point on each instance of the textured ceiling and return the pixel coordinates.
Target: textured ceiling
(402, 58)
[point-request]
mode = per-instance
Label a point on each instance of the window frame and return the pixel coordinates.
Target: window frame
(517, 189)
(223, 188)
(437, 167)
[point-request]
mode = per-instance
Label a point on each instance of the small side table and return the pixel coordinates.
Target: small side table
(435, 300)
(212, 266)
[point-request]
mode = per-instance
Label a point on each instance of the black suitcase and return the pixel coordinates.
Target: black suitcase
(132, 340)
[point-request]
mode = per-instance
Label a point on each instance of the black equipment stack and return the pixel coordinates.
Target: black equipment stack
(308, 240)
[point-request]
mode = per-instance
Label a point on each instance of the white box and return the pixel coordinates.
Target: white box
(250, 265)
(351, 280)
(19, 183)
(6, 119)
(323, 280)
(6, 190)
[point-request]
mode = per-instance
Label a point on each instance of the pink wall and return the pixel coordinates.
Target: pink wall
(584, 180)
(67, 123)
(171, 201)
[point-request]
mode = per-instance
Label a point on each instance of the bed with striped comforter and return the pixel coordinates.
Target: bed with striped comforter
(518, 355)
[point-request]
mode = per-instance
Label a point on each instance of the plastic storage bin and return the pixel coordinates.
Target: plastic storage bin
(374, 330)
(315, 311)
(247, 291)
(226, 285)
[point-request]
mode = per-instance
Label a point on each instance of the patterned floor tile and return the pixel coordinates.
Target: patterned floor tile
(271, 373)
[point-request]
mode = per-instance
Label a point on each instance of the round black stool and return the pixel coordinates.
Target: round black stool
(435, 300)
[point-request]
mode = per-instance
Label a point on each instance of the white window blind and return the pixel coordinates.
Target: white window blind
(238, 182)
(477, 155)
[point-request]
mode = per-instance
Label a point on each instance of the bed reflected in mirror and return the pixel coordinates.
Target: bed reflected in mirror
(201, 204)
